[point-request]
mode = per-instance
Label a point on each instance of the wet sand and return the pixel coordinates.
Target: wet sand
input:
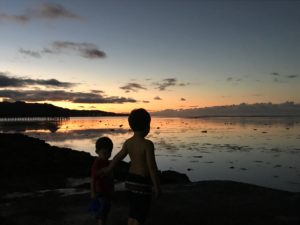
(206, 202)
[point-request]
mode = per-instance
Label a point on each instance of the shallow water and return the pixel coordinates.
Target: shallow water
(262, 151)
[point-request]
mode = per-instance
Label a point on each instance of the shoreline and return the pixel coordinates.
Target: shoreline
(204, 202)
(120, 187)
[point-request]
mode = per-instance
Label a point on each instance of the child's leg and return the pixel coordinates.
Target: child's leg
(103, 211)
(132, 221)
(100, 222)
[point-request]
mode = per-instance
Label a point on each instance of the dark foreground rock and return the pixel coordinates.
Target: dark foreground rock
(206, 202)
(28, 164)
(173, 177)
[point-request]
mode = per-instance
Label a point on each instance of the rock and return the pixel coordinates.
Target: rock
(26, 156)
(173, 177)
(198, 156)
(29, 164)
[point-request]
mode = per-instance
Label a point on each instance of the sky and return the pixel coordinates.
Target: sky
(169, 54)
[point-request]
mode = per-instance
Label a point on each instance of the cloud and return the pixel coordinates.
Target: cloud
(30, 53)
(283, 79)
(53, 11)
(8, 81)
(145, 101)
(97, 91)
(292, 76)
(257, 95)
(183, 84)
(182, 99)
(93, 53)
(275, 74)
(86, 50)
(135, 87)
(14, 18)
(60, 95)
(231, 79)
(103, 100)
(276, 80)
(226, 96)
(157, 98)
(44, 11)
(168, 82)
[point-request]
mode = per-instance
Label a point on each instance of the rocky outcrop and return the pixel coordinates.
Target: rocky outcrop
(28, 164)
(173, 177)
(25, 156)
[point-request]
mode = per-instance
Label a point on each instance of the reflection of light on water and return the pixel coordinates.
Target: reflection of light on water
(84, 123)
(242, 149)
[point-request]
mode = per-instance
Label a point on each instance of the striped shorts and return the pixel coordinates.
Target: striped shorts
(139, 193)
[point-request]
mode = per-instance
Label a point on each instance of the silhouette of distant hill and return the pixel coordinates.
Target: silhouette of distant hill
(22, 109)
(257, 109)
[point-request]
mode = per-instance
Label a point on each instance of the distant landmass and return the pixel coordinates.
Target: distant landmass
(23, 109)
(243, 109)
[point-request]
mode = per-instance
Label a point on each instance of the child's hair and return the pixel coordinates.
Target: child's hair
(104, 143)
(139, 120)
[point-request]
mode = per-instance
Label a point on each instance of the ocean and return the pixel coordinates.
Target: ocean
(259, 150)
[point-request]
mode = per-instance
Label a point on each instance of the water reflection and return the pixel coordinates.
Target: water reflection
(263, 151)
(24, 126)
(75, 134)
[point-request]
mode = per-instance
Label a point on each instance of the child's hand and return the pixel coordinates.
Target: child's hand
(103, 172)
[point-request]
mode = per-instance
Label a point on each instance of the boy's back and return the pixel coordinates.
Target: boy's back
(138, 149)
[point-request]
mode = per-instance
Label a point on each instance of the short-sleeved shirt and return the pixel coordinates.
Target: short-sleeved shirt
(103, 185)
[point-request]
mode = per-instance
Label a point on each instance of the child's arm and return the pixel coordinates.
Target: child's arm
(93, 177)
(93, 194)
(152, 166)
(117, 158)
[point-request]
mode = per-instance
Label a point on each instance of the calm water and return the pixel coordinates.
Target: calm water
(263, 151)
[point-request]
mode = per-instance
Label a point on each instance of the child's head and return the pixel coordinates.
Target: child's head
(139, 121)
(104, 147)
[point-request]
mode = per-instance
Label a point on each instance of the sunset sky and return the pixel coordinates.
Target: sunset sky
(120, 55)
